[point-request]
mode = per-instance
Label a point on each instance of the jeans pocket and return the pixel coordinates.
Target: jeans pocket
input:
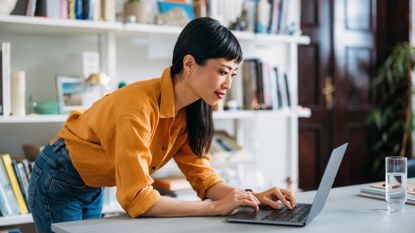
(34, 178)
(68, 179)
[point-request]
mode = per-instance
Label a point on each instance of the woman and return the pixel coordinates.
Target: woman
(129, 134)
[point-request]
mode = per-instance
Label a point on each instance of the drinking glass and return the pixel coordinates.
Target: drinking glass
(396, 183)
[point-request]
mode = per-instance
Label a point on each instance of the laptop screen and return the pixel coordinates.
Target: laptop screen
(327, 181)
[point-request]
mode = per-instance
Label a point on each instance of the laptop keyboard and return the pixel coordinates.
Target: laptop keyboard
(287, 215)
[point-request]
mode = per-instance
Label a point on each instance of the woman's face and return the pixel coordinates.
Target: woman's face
(212, 80)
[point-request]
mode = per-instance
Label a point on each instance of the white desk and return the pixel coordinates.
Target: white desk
(344, 211)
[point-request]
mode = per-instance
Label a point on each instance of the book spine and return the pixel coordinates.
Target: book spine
(277, 82)
(1, 82)
(15, 185)
(6, 78)
(86, 4)
(71, 10)
(25, 179)
(281, 88)
(97, 10)
(5, 208)
(78, 9)
(8, 190)
(287, 90)
(64, 9)
(31, 7)
(19, 178)
(260, 84)
(273, 88)
(246, 85)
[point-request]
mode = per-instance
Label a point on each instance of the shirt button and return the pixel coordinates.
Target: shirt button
(153, 167)
(163, 148)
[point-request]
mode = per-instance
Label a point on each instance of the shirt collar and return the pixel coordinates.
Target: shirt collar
(167, 95)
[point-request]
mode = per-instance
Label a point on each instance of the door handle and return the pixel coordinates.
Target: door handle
(328, 92)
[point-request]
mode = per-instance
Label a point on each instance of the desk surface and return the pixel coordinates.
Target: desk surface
(344, 211)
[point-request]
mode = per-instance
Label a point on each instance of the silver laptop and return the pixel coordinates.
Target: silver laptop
(303, 213)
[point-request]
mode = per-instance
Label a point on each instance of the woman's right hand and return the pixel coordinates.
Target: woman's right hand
(234, 199)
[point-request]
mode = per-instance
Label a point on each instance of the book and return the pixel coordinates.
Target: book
(30, 8)
(378, 191)
(5, 78)
(50, 9)
(282, 89)
(7, 162)
(278, 87)
(5, 208)
(23, 184)
(20, 8)
(172, 183)
(10, 205)
(1, 83)
(287, 90)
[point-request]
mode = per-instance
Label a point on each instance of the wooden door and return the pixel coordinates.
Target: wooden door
(354, 40)
(334, 78)
(314, 66)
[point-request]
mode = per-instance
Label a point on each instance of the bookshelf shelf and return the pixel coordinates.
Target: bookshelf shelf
(27, 218)
(267, 39)
(147, 30)
(244, 114)
(39, 25)
(34, 119)
(16, 220)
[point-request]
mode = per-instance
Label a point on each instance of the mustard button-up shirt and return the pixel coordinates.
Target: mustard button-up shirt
(127, 135)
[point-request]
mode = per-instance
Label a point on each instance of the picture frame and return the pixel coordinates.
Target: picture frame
(70, 90)
(186, 7)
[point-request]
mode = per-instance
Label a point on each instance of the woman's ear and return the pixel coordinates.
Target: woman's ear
(188, 64)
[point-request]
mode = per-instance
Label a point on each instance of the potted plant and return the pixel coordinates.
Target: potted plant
(392, 119)
(136, 11)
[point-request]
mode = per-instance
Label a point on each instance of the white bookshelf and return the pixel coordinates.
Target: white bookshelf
(111, 32)
(27, 218)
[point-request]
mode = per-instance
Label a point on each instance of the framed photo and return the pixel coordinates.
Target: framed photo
(70, 92)
(186, 7)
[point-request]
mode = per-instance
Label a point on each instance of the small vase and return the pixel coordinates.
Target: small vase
(7, 6)
(136, 12)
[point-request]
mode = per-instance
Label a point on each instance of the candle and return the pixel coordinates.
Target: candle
(18, 93)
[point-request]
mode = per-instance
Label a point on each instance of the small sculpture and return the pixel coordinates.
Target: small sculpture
(174, 17)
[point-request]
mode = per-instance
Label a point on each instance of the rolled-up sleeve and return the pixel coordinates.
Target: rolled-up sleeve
(197, 170)
(133, 156)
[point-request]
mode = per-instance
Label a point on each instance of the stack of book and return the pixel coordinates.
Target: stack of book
(177, 187)
(264, 86)
(14, 183)
(377, 190)
(96, 10)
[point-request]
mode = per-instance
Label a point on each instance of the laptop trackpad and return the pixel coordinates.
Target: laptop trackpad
(249, 213)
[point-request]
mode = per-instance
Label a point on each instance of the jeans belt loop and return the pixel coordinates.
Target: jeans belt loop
(58, 145)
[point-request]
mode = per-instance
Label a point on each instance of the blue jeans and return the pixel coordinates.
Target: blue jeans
(57, 192)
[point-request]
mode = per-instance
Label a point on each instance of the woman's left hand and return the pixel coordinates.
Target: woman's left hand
(272, 195)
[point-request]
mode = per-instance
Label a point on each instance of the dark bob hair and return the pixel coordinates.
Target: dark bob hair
(203, 38)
